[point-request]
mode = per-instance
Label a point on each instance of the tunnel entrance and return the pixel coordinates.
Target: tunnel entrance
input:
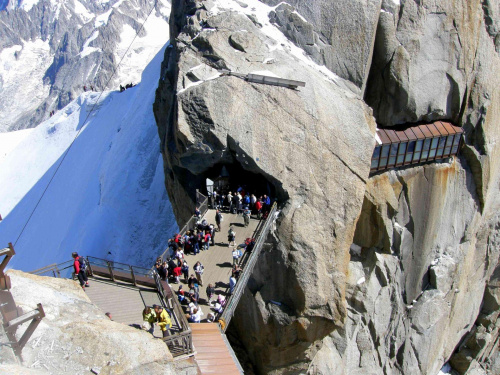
(232, 177)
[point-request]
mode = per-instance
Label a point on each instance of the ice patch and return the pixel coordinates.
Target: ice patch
(20, 64)
(26, 5)
(86, 50)
(142, 50)
(82, 11)
(102, 19)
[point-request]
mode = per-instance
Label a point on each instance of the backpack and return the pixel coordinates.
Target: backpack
(83, 264)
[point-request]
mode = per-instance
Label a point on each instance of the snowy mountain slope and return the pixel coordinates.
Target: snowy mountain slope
(109, 193)
(50, 49)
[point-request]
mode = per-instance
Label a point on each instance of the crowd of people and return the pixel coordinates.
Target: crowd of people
(241, 202)
(176, 270)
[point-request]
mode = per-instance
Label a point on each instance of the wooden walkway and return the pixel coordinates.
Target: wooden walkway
(212, 353)
(218, 260)
(124, 302)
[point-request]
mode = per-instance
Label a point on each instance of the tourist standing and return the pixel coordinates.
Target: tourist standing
(80, 270)
(163, 320)
(149, 317)
(218, 219)
(210, 292)
(232, 284)
(198, 271)
(231, 236)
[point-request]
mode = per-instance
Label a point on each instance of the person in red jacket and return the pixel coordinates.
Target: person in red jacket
(258, 207)
(80, 266)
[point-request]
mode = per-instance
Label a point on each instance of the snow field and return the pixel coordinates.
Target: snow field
(108, 194)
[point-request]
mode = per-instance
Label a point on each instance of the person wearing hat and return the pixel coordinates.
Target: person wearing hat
(163, 319)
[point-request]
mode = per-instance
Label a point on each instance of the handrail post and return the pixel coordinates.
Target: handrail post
(110, 271)
(133, 275)
(90, 271)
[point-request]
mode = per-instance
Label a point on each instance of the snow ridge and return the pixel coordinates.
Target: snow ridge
(108, 198)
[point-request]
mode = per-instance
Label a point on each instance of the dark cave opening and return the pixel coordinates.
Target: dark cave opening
(232, 176)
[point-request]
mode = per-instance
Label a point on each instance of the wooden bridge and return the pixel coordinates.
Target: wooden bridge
(124, 290)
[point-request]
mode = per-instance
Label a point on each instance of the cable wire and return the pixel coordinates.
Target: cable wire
(86, 118)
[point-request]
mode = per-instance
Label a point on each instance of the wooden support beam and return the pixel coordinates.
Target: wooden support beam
(31, 328)
(12, 325)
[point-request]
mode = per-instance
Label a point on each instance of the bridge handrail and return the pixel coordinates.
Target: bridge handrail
(182, 339)
(228, 312)
(9, 311)
(54, 268)
(202, 204)
(180, 342)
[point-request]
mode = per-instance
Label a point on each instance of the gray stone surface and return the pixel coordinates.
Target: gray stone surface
(424, 60)
(308, 143)
(337, 34)
(75, 335)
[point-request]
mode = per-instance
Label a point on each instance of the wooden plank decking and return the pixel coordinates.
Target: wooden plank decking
(125, 303)
(212, 354)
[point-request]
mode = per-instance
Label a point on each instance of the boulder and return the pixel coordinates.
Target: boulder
(75, 336)
(337, 34)
(424, 60)
(307, 144)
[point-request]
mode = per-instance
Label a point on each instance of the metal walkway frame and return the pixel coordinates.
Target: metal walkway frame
(11, 316)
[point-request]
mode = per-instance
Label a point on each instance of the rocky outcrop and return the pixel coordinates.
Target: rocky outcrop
(337, 34)
(76, 337)
(423, 60)
(417, 284)
(378, 275)
(308, 144)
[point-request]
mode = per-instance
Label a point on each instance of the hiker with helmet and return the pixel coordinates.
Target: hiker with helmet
(80, 270)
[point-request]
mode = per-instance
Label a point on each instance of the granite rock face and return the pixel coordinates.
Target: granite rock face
(416, 286)
(337, 34)
(373, 275)
(424, 60)
(308, 144)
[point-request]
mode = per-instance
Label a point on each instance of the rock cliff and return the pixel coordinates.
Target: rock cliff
(382, 274)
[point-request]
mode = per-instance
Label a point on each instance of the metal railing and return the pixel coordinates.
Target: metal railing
(202, 204)
(61, 270)
(180, 343)
(116, 271)
(249, 265)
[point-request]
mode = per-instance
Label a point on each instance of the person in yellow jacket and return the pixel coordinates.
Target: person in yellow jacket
(149, 317)
(163, 320)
